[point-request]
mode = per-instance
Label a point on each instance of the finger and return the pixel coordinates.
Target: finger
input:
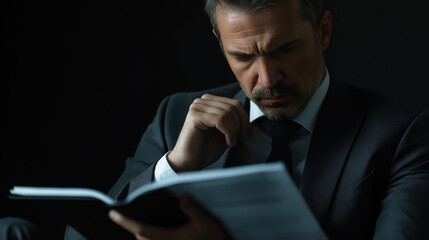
(222, 123)
(127, 223)
(139, 230)
(243, 115)
(225, 117)
(222, 107)
(218, 98)
(203, 222)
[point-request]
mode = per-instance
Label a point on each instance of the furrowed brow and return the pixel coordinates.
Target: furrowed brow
(285, 46)
(282, 47)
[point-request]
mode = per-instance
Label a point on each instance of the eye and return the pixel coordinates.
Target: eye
(242, 57)
(282, 52)
(286, 50)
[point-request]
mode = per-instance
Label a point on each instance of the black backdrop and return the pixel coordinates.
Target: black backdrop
(80, 80)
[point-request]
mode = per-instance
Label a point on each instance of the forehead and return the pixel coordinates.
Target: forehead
(281, 20)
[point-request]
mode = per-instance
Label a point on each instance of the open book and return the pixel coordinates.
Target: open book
(258, 201)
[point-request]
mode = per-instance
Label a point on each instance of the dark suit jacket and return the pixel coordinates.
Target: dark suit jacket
(367, 169)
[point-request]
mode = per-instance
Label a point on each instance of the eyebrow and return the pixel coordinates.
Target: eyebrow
(285, 46)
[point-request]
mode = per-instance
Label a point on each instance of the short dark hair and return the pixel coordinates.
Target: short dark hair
(311, 9)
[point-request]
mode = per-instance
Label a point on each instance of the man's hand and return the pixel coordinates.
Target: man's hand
(199, 227)
(213, 123)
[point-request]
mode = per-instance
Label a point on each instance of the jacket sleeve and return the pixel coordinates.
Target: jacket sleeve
(404, 210)
(152, 146)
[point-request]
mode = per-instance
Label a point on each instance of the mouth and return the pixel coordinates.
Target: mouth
(276, 101)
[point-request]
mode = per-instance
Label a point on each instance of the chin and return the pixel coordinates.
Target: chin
(281, 114)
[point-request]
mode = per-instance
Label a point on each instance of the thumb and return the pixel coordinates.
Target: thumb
(210, 229)
(191, 209)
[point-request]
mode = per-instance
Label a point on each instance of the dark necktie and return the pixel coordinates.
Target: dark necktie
(280, 133)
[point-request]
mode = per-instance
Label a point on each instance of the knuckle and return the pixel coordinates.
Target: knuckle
(193, 107)
(192, 117)
(237, 103)
(230, 109)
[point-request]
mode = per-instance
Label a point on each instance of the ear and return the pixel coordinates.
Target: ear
(214, 32)
(219, 40)
(325, 30)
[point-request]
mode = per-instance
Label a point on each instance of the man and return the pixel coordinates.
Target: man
(361, 162)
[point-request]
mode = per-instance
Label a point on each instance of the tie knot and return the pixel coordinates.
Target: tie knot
(279, 130)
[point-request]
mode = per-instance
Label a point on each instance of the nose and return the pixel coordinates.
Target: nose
(268, 73)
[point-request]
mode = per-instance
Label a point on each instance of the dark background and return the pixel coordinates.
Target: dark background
(80, 80)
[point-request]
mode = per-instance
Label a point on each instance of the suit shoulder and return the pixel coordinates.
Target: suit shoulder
(374, 101)
(384, 107)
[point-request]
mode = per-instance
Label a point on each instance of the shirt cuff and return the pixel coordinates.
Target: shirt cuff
(163, 170)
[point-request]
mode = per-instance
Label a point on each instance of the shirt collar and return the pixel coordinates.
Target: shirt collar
(307, 118)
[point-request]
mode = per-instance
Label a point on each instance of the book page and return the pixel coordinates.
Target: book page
(56, 193)
(257, 201)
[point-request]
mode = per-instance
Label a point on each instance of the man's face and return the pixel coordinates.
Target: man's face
(276, 55)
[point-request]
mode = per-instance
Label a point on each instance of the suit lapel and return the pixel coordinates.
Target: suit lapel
(335, 131)
(241, 96)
